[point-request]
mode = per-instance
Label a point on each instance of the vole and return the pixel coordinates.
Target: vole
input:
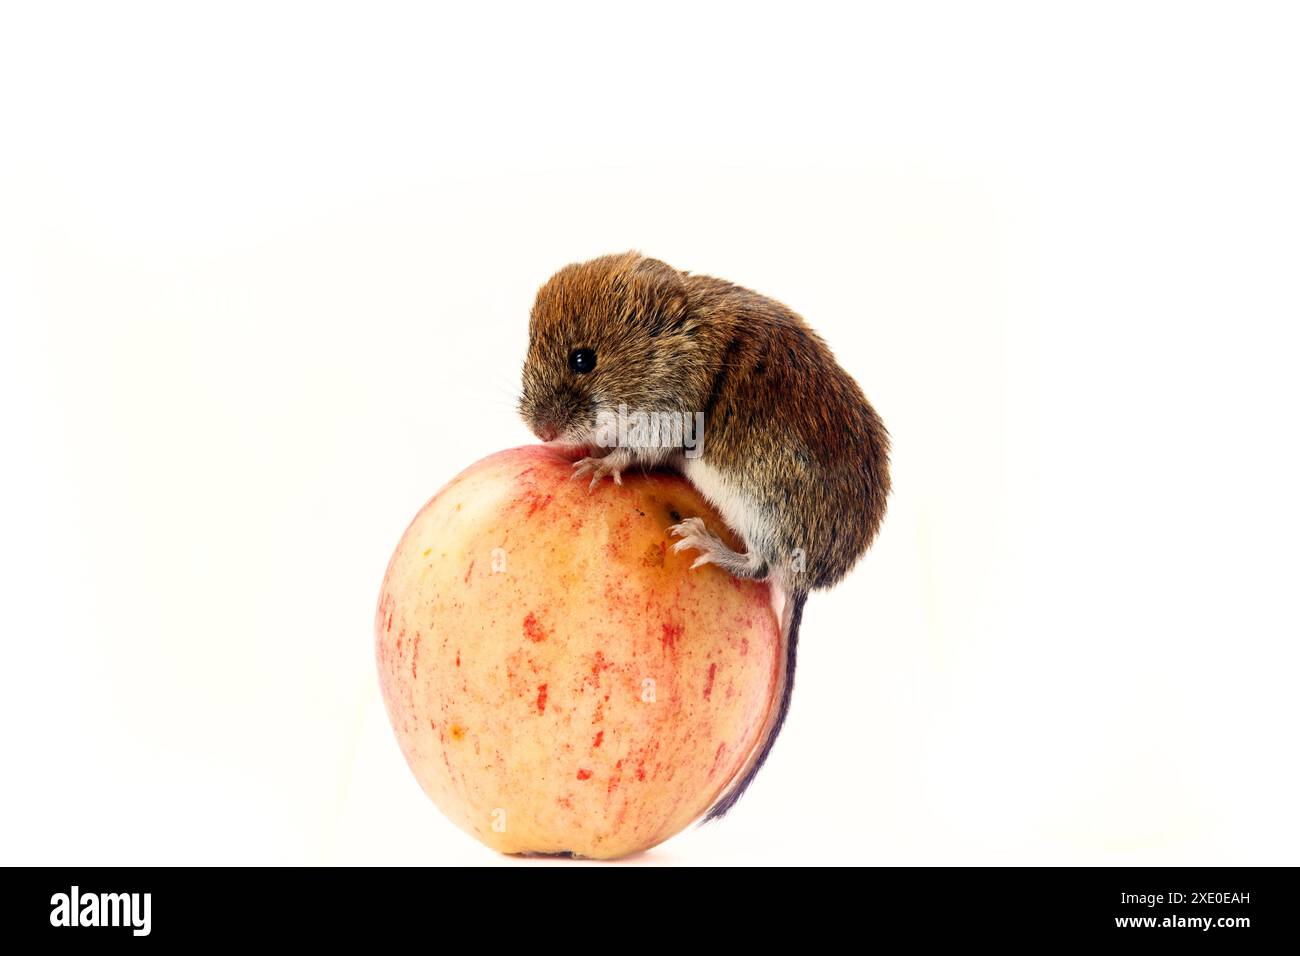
(792, 455)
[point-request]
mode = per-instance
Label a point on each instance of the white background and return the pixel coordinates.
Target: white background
(265, 272)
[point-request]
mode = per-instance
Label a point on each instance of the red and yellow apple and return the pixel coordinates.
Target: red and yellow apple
(559, 679)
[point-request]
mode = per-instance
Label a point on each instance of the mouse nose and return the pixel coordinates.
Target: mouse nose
(545, 431)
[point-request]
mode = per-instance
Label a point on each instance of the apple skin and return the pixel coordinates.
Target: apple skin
(579, 689)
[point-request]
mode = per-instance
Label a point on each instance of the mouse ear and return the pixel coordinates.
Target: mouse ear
(660, 292)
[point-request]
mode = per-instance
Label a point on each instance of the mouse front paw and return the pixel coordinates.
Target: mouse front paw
(611, 465)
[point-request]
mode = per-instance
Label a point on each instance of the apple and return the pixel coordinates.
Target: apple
(559, 679)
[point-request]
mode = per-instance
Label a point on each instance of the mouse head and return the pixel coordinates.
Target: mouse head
(613, 331)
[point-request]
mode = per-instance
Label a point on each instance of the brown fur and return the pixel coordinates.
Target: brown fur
(779, 411)
(800, 454)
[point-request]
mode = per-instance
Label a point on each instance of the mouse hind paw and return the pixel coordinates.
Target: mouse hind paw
(713, 550)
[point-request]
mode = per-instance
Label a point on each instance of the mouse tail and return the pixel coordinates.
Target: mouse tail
(792, 616)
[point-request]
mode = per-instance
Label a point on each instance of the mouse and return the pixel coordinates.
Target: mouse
(789, 451)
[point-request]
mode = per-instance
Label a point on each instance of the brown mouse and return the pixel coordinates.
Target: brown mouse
(790, 452)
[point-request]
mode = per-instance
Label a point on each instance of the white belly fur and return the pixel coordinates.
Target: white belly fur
(736, 507)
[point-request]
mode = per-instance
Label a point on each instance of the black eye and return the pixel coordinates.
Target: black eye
(582, 361)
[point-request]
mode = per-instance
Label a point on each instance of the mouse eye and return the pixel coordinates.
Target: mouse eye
(582, 361)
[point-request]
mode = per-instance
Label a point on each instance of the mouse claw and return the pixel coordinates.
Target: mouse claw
(686, 529)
